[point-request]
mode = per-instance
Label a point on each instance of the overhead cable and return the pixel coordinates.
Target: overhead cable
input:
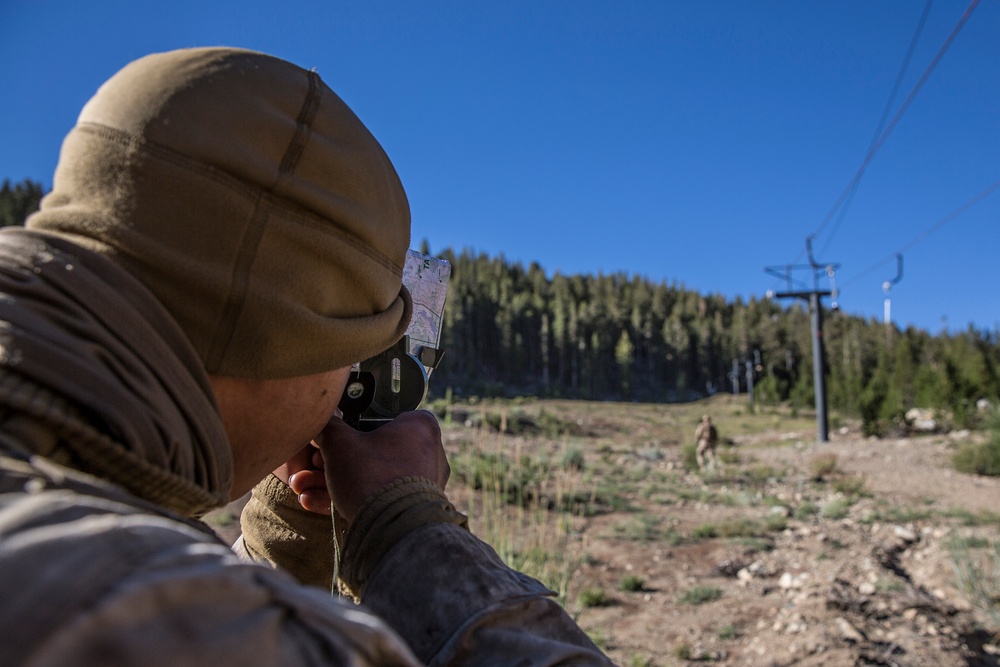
(877, 144)
(930, 230)
(881, 122)
(899, 114)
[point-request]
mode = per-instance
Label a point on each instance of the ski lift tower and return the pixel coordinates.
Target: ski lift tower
(886, 286)
(812, 297)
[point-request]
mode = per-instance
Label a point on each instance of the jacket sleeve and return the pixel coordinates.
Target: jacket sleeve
(411, 559)
(88, 580)
(455, 603)
(279, 532)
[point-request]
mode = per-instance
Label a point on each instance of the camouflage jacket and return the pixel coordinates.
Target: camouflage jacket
(110, 444)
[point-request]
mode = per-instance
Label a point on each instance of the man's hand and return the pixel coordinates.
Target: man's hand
(303, 473)
(355, 465)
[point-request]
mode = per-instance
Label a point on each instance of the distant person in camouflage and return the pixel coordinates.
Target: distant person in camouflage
(707, 437)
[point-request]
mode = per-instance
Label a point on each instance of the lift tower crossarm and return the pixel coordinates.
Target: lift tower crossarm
(812, 296)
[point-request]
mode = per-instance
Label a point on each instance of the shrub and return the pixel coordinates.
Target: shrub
(636, 660)
(700, 595)
(572, 459)
(533, 539)
(729, 455)
(760, 474)
(904, 514)
(739, 528)
(823, 466)
(672, 537)
(836, 509)
(752, 545)
(979, 579)
(775, 522)
(641, 528)
(632, 584)
(969, 542)
(595, 597)
(806, 509)
(886, 585)
(519, 481)
(979, 459)
(704, 532)
(689, 456)
(967, 518)
(853, 487)
(599, 637)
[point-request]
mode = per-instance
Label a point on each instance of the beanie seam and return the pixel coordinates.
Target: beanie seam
(275, 236)
(303, 130)
(143, 145)
(239, 279)
(288, 210)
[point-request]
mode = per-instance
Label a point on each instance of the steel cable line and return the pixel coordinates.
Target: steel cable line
(899, 114)
(877, 144)
(881, 121)
(930, 230)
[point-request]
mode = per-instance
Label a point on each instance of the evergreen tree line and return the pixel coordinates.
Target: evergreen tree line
(510, 330)
(18, 201)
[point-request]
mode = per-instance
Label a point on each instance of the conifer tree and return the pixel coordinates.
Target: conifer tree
(19, 201)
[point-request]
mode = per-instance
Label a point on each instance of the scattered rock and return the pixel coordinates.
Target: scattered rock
(824, 591)
(789, 581)
(731, 567)
(922, 420)
(848, 631)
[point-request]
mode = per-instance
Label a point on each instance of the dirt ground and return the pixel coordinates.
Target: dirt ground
(876, 586)
(789, 552)
(857, 571)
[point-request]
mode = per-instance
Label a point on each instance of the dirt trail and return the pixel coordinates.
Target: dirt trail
(868, 582)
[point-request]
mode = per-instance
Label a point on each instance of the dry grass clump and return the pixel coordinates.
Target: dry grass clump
(822, 466)
(523, 507)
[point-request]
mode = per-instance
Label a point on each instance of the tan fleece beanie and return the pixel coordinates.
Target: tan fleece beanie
(250, 200)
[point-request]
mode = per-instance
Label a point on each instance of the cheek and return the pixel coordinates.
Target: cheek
(336, 386)
(329, 394)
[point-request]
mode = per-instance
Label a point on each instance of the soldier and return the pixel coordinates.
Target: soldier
(707, 437)
(223, 241)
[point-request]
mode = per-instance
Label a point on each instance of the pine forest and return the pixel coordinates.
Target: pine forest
(514, 331)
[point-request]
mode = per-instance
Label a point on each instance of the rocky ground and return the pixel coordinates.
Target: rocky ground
(872, 582)
(790, 552)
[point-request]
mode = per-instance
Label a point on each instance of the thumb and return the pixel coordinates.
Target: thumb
(336, 431)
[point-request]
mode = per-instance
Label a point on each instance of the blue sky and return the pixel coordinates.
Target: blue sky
(691, 142)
